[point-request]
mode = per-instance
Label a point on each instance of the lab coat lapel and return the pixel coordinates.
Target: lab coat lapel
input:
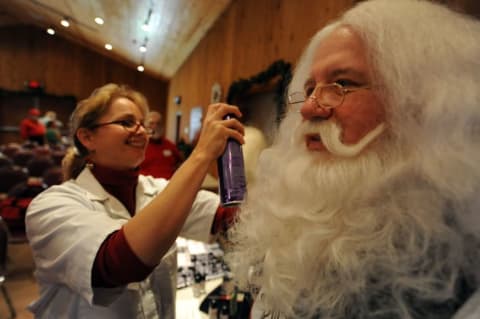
(96, 193)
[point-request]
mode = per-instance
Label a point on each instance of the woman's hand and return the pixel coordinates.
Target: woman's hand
(215, 130)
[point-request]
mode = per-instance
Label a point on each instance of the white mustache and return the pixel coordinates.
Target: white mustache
(330, 133)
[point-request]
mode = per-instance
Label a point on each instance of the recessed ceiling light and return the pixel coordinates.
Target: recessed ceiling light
(65, 23)
(50, 31)
(146, 27)
(143, 48)
(99, 20)
(140, 68)
(108, 46)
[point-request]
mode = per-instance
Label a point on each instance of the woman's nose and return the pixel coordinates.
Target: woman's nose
(311, 110)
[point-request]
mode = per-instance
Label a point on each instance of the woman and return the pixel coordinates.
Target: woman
(103, 241)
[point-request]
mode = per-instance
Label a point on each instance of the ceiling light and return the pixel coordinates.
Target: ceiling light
(108, 46)
(99, 20)
(65, 22)
(143, 48)
(50, 31)
(146, 24)
(146, 27)
(140, 68)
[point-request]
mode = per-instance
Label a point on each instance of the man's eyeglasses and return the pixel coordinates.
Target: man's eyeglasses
(326, 96)
(130, 126)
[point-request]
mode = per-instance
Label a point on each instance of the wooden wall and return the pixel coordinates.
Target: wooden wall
(65, 68)
(247, 38)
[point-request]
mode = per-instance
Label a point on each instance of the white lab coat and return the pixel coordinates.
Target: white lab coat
(66, 225)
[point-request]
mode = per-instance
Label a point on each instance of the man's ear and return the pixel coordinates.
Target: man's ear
(85, 136)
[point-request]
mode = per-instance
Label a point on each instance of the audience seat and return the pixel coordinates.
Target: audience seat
(53, 176)
(5, 161)
(58, 156)
(11, 149)
(14, 207)
(42, 151)
(22, 157)
(38, 165)
(4, 237)
(10, 176)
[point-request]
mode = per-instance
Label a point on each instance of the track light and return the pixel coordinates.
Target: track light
(140, 68)
(64, 22)
(146, 24)
(50, 31)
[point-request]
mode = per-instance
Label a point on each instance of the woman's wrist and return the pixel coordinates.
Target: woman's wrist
(201, 157)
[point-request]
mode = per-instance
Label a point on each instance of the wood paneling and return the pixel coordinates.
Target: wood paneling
(246, 39)
(176, 27)
(65, 68)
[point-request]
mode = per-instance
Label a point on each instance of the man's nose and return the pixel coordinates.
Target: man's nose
(311, 110)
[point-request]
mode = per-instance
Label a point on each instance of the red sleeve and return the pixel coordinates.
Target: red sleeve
(224, 217)
(116, 264)
(24, 129)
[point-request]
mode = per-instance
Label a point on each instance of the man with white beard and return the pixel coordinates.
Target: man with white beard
(366, 205)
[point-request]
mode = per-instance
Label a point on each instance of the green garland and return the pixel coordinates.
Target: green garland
(277, 68)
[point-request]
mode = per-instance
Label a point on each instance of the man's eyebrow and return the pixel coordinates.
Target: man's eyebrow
(309, 82)
(346, 71)
(335, 73)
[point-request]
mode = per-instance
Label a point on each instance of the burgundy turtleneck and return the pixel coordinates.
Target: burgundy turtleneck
(121, 184)
(116, 264)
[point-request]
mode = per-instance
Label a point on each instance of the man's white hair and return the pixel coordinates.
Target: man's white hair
(396, 228)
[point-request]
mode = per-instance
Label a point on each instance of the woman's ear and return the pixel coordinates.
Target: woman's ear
(85, 136)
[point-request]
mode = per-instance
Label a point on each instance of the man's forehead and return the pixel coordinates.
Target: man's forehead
(154, 116)
(341, 53)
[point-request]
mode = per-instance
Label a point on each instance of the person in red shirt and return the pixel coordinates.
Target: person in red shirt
(31, 129)
(162, 157)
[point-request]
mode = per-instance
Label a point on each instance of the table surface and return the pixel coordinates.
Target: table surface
(187, 306)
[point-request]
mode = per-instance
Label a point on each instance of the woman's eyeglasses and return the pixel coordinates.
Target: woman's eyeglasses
(130, 126)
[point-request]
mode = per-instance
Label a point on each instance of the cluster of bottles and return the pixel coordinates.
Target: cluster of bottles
(228, 302)
(202, 267)
(218, 309)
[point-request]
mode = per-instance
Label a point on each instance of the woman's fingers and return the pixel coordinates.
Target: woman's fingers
(236, 129)
(216, 129)
(220, 110)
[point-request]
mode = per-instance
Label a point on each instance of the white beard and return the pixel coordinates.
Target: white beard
(312, 227)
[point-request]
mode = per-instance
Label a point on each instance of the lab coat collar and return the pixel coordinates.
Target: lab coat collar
(94, 190)
(146, 186)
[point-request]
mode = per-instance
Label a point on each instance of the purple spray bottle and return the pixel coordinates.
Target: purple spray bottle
(231, 173)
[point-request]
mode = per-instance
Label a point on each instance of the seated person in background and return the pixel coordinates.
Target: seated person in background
(162, 157)
(49, 117)
(31, 129)
(53, 135)
(366, 206)
(103, 241)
